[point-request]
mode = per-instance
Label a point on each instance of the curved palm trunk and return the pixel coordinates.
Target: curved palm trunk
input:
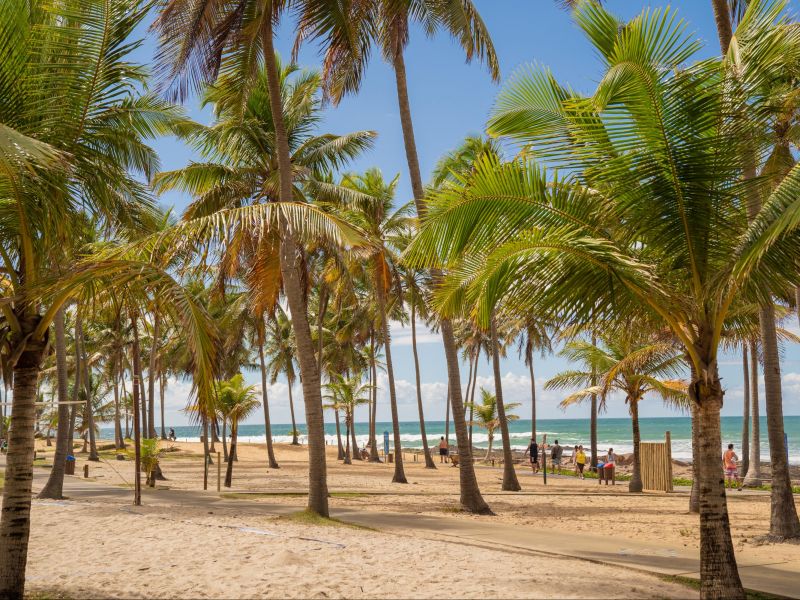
(355, 453)
(719, 576)
(54, 487)
(490, 435)
(293, 288)
(470, 383)
(753, 477)
(232, 455)
(447, 418)
(273, 464)
(784, 522)
(162, 384)
(87, 387)
(471, 498)
(429, 464)
(152, 375)
(635, 484)
(118, 433)
(510, 481)
(225, 441)
(16, 511)
(399, 472)
(295, 441)
(745, 414)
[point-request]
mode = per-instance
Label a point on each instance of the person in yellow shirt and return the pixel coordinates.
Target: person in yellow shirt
(580, 461)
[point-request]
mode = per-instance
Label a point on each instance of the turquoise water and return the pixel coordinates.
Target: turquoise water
(614, 433)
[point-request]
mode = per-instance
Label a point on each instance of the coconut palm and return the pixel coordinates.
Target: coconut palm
(626, 364)
(534, 337)
(282, 358)
(235, 401)
(623, 232)
(387, 24)
(488, 417)
(374, 215)
(345, 394)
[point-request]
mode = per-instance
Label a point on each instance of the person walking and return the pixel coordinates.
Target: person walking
(444, 450)
(555, 456)
(533, 450)
(730, 463)
(580, 461)
(574, 459)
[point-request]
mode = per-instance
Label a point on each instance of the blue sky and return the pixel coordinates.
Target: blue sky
(451, 99)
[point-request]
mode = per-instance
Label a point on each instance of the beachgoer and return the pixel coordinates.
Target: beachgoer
(444, 450)
(580, 461)
(533, 450)
(171, 435)
(555, 456)
(729, 463)
(575, 459)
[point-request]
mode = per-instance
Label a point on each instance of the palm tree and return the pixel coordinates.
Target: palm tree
(346, 393)
(534, 337)
(784, 521)
(625, 363)
(235, 401)
(622, 233)
(387, 23)
(384, 227)
(282, 358)
(488, 417)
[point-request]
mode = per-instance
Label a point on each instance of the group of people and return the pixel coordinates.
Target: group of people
(577, 460)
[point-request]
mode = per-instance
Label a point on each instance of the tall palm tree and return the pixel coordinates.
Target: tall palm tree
(236, 401)
(282, 358)
(387, 24)
(384, 227)
(488, 417)
(632, 170)
(196, 41)
(534, 337)
(784, 520)
(632, 365)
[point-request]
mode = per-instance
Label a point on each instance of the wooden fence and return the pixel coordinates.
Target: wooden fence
(656, 460)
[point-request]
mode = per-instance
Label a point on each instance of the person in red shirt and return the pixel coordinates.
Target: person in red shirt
(729, 463)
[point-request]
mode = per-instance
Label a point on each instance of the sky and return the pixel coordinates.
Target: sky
(450, 100)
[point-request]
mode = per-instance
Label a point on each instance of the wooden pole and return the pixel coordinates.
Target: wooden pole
(668, 440)
(219, 469)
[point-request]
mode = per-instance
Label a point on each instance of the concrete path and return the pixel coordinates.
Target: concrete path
(777, 577)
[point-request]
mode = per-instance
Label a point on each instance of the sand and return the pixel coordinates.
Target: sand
(173, 547)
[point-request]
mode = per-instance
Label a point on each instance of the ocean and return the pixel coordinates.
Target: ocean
(611, 433)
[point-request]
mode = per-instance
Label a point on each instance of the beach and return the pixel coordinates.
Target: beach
(186, 542)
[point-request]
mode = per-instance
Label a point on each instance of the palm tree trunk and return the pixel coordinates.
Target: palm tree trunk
(137, 436)
(399, 472)
(83, 364)
(447, 418)
(295, 441)
(694, 495)
(347, 459)
(355, 454)
(635, 484)
(745, 414)
(231, 456)
(753, 477)
(293, 289)
(273, 463)
(373, 445)
(533, 394)
(489, 447)
(16, 511)
(206, 449)
(467, 394)
(472, 389)
(162, 384)
(152, 374)
(429, 464)
(471, 498)
(118, 433)
(719, 576)
(212, 430)
(340, 453)
(55, 482)
(722, 17)
(510, 481)
(784, 522)
(593, 416)
(225, 441)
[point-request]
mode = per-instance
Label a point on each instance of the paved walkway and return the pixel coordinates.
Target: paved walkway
(778, 577)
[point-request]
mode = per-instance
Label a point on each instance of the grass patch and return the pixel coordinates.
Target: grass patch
(309, 517)
(682, 481)
(693, 583)
(249, 495)
(768, 488)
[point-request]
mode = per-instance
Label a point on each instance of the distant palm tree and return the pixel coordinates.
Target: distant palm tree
(282, 358)
(235, 402)
(345, 394)
(488, 417)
